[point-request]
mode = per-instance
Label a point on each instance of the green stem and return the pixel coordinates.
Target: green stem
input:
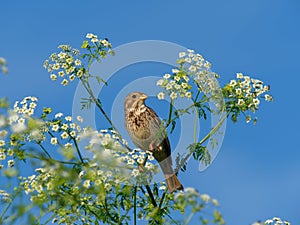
(51, 160)
(99, 106)
(151, 196)
(187, 221)
(162, 199)
(170, 113)
(195, 126)
(215, 129)
(44, 150)
(134, 206)
(4, 212)
(78, 150)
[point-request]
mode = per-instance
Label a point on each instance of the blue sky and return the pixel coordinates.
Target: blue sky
(257, 172)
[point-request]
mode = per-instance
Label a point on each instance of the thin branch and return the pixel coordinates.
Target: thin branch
(134, 206)
(151, 195)
(162, 199)
(78, 150)
(44, 150)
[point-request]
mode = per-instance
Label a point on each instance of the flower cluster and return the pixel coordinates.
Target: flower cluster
(192, 69)
(5, 197)
(192, 198)
(64, 132)
(108, 152)
(244, 94)
(100, 44)
(274, 221)
(66, 64)
(3, 65)
(26, 106)
(17, 126)
(110, 169)
(175, 85)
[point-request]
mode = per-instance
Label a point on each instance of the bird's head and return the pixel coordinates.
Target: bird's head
(134, 100)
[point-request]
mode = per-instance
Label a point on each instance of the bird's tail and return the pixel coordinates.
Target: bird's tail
(171, 179)
(173, 183)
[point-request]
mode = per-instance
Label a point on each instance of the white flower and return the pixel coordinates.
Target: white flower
(2, 143)
(68, 145)
(53, 77)
(87, 183)
(80, 119)
(65, 82)
(72, 77)
(241, 102)
(68, 118)
(247, 79)
(2, 156)
(177, 78)
(256, 101)
(188, 60)
(188, 94)
(94, 39)
(17, 128)
(135, 172)
(184, 85)
(73, 133)
(64, 126)
(151, 157)
(21, 121)
(160, 82)
(64, 135)
(79, 73)
(53, 141)
(268, 97)
(232, 83)
(167, 76)
(62, 55)
(182, 54)
(177, 86)
(205, 197)
(238, 91)
(163, 187)
(57, 115)
(173, 95)
(77, 62)
(190, 190)
(10, 163)
(215, 202)
(192, 68)
(61, 73)
(169, 86)
(160, 95)
(269, 221)
(186, 78)
(107, 186)
(175, 70)
(239, 75)
(89, 35)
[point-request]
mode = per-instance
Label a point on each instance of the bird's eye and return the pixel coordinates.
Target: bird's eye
(133, 96)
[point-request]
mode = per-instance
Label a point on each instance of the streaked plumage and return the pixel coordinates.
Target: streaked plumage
(148, 134)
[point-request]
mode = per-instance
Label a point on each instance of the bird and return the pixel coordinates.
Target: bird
(148, 133)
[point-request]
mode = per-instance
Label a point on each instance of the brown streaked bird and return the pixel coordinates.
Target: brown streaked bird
(148, 134)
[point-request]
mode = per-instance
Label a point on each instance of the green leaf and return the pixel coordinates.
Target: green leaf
(86, 103)
(85, 44)
(200, 153)
(100, 80)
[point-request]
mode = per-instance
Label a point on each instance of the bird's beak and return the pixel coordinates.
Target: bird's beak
(143, 97)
